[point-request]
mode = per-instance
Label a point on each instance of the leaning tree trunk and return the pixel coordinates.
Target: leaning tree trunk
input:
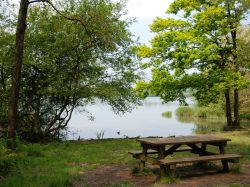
(228, 108)
(16, 74)
(236, 122)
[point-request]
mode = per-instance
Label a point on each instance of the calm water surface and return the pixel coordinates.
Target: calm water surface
(146, 120)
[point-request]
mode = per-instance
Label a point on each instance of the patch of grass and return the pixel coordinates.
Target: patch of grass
(236, 168)
(184, 111)
(9, 161)
(8, 164)
(210, 111)
(34, 150)
(62, 163)
(136, 170)
(167, 114)
(170, 178)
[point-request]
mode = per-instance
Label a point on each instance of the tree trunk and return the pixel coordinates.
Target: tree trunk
(236, 122)
(16, 74)
(228, 108)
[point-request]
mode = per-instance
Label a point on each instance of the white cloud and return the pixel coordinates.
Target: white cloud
(147, 9)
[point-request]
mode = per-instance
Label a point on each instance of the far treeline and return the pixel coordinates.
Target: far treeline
(60, 56)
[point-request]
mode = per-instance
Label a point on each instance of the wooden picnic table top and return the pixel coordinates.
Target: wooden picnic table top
(183, 140)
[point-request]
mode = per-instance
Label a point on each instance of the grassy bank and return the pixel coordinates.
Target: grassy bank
(60, 164)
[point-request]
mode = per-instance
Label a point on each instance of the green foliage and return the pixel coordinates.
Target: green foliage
(68, 66)
(198, 51)
(245, 116)
(245, 101)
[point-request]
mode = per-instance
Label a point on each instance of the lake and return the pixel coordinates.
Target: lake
(146, 120)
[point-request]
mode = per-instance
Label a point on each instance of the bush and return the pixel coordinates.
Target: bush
(184, 111)
(245, 116)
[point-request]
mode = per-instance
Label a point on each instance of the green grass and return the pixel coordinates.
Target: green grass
(167, 114)
(58, 164)
(61, 163)
(210, 111)
(184, 111)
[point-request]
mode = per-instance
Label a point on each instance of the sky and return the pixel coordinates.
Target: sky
(145, 11)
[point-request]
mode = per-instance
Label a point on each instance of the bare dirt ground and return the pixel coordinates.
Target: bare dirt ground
(121, 175)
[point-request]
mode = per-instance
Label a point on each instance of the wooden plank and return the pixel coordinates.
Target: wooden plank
(148, 159)
(228, 157)
(183, 140)
(183, 150)
(139, 152)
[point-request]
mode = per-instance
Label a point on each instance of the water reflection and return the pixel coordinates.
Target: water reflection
(146, 120)
(203, 125)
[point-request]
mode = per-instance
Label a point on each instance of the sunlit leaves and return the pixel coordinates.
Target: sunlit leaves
(201, 40)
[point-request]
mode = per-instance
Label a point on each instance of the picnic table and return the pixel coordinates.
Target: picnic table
(165, 146)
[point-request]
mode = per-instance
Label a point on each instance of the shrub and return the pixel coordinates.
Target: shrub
(245, 116)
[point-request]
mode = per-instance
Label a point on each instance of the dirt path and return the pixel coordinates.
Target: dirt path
(121, 175)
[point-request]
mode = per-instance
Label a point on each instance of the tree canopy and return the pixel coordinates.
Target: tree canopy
(67, 66)
(197, 49)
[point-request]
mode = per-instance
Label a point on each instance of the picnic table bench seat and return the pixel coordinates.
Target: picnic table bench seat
(223, 157)
(136, 153)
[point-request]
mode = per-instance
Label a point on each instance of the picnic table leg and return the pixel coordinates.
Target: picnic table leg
(203, 146)
(224, 162)
(144, 151)
(161, 154)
